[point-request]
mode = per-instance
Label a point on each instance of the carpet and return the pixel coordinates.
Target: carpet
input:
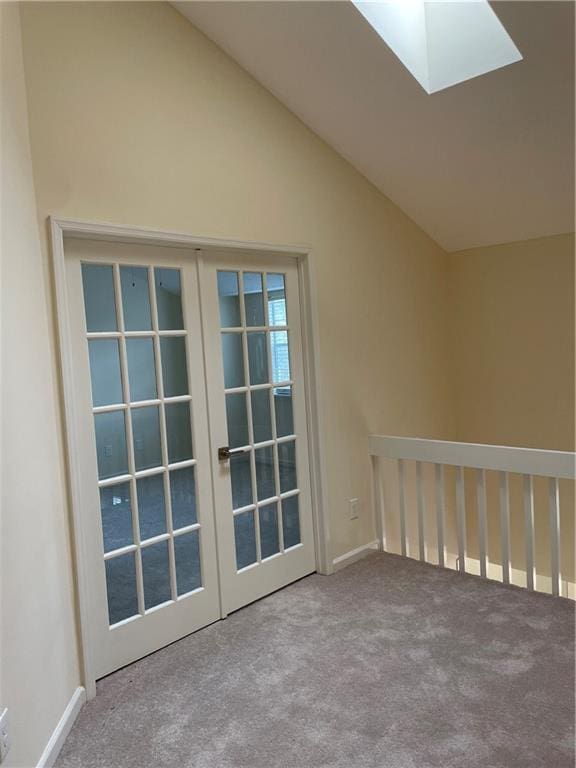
(390, 663)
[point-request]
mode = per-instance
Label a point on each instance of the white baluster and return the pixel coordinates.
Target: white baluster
(505, 527)
(461, 519)
(554, 497)
(440, 507)
(482, 520)
(421, 512)
(402, 506)
(379, 503)
(529, 529)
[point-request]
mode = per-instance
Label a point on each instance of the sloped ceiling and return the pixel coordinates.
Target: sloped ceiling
(488, 161)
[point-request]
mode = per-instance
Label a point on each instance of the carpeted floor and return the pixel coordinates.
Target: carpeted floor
(389, 663)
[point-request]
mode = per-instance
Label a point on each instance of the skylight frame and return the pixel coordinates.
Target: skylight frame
(442, 42)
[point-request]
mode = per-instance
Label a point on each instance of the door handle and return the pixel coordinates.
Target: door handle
(225, 452)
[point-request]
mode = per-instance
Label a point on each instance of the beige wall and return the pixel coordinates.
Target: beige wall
(154, 125)
(38, 648)
(513, 325)
(136, 118)
(513, 355)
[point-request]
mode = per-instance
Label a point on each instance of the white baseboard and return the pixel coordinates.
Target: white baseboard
(52, 750)
(355, 554)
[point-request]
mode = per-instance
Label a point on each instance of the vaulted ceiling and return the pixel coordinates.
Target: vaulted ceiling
(487, 161)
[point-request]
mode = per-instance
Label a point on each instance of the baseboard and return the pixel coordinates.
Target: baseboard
(355, 554)
(63, 728)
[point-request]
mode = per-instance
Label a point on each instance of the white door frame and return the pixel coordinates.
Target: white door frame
(61, 227)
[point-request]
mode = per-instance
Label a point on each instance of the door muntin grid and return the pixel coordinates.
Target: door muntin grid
(138, 341)
(255, 341)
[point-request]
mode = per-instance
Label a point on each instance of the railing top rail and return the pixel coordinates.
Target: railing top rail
(525, 461)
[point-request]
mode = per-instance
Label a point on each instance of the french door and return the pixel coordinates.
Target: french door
(192, 448)
(258, 425)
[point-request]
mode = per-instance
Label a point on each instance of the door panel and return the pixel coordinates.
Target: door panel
(257, 406)
(144, 462)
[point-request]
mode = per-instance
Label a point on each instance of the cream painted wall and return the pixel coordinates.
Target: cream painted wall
(154, 125)
(513, 326)
(38, 647)
(136, 118)
(513, 354)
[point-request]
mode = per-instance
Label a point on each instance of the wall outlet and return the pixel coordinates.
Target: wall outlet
(354, 509)
(5, 741)
(107, 450)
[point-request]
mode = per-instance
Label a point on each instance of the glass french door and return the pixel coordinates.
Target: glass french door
(143, 459)
(255, 375)
(192, 447)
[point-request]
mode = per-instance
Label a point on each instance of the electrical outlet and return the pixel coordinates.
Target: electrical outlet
(5, 741)
(354, 508)
(107, 450)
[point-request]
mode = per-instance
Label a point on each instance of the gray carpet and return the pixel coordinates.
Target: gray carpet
(389, 663)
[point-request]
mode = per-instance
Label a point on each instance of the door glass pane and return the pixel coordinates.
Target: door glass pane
(241, 480)
(183, 497)
(265, 482)
(178, 432)
(269, 543)
(276, 300)
(283, 411)
(168, 299)
(261, 421)
(151, 506)
(141, 369)
(135, 298)
(257, 357)
(116, 511)
(99, 304)
(229, 299)
(146, 432)
(253, 298)
(245, 539)
(121, 587)
(287, 465)
(156, 574)
(187, 553)
(290, 522)
(233, 360)
(105, 372)
(174, 373)
(280, 356)
(110, 431)
(237, 419)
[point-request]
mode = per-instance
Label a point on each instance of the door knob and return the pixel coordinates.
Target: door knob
(225, 452)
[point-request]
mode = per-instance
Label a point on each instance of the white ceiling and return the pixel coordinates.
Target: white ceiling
(487, 161)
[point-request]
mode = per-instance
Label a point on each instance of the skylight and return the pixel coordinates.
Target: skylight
(442, 42)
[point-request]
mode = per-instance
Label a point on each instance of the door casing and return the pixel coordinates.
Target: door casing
(60, 228)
